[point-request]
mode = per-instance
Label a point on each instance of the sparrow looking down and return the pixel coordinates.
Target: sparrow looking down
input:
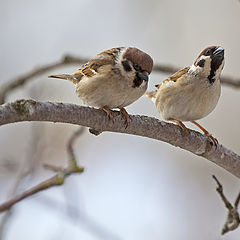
(114, 78)
(192, 92)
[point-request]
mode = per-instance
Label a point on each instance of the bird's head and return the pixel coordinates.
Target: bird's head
(209, 63)
(136, 64)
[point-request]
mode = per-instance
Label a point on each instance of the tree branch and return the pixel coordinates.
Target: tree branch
(198, 144)
(67, 60)
(56, 180)
(233, 220)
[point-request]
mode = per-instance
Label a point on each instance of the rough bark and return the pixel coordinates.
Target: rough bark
(29, 110)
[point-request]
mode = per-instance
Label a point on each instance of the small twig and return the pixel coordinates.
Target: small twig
(237, 200)
(56, 180)
(233, 219)
(71, 156)
(21, 80)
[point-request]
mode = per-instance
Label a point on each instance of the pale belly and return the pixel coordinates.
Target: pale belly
(111, 93)
(188, 104)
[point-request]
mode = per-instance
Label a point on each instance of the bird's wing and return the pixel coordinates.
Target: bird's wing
(91, 68)
(175, 77)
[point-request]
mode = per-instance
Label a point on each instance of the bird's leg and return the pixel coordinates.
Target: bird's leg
(126, 115)
(109, 112)
(215, 141)
(180, 124)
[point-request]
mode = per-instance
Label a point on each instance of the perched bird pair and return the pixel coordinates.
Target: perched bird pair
(117, 77)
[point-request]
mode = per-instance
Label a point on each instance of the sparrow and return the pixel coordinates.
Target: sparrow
(114, 78)
(193, 92)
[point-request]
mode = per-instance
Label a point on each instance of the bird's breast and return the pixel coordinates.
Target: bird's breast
(108, 90)
(187, 101)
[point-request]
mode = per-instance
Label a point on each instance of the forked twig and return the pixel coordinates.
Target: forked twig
(233, 219)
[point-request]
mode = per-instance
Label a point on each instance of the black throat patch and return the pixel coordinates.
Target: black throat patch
(215, 64)
(212, 77)
(137, 80)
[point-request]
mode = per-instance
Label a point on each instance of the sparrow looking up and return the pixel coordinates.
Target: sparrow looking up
(192, 92)
(114, 78)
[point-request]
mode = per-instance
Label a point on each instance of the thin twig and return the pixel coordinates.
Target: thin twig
(237, 201)
(71, 156)
(10, 85)
(233, 219)
(198, 144)
(56, 180)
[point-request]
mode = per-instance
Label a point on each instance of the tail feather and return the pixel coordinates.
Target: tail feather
(151, 95)
(68, 77)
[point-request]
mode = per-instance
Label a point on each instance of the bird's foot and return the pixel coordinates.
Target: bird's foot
(109, 112)
(206, 133)
(180, 124)
(126, 116)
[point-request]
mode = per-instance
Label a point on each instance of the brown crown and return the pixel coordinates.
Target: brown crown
(204, 51)
(139, 57)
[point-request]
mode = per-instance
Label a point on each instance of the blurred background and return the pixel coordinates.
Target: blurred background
(133, 188)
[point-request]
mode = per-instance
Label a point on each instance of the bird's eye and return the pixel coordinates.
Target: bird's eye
(208, 52)
(136, 67)
(201, 63)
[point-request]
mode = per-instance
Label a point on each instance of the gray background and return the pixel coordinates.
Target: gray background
(133, 188)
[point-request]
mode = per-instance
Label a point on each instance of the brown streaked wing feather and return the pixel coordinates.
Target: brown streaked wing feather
(79, 73)
(90, 68)
(85, 70)
(112, 52)
(177, 75)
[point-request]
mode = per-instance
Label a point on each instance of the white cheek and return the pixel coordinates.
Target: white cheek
(202, 71)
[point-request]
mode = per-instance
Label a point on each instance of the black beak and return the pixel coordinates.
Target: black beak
(217, 58)
(139, 78)
(143, 76)
(219, 52)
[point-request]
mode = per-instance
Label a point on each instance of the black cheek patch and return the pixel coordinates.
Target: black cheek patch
(126, 66)
(137, 81)
(201, 63)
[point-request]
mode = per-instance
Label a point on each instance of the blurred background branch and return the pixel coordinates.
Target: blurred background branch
(56, 180)
(129, 180)
(19, 81)
(233, 219)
